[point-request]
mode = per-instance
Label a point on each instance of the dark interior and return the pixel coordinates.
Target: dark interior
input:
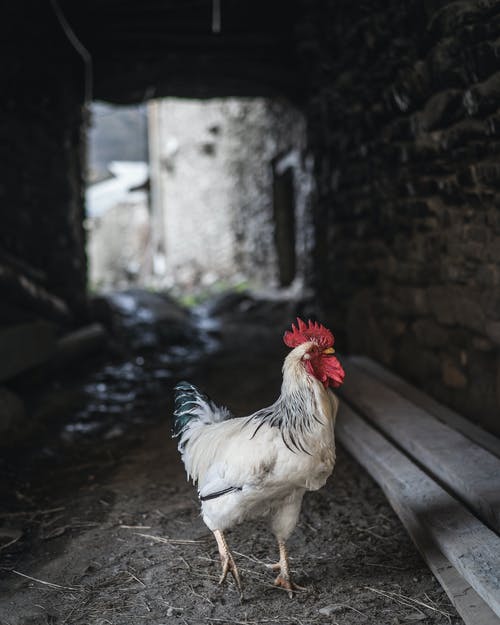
(402, 106)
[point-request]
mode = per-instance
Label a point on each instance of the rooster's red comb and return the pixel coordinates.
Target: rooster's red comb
(310, 331)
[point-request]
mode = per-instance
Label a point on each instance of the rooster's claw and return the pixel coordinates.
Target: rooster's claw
(227, 561)
(229, 566)
(288, 585)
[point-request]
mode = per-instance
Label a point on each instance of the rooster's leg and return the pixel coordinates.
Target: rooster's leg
(284, 579)
(227, 560)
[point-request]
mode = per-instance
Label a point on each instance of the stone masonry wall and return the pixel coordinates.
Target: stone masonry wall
(212, 187)
(404, 124)
(42, 260)
(41, 151)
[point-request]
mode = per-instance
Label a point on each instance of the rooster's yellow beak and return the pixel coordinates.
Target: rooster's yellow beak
(330, 350)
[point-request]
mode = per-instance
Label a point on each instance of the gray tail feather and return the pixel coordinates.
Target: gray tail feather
(194, 408)
(187, 399)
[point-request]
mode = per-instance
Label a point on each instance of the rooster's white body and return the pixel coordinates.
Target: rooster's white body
(261, 464)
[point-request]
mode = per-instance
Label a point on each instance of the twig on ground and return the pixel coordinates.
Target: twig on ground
(402, 599)
(234, 622)
(255, 621)
(136, 578)
(375, 535)
(14, 539)
(171, 541)
(252, 559)
(34, 513)
(385, 566)
(196, 594)
(188, 566)
(24, 497)
(74, 608)
(50, 584)
(409, 601)
(309, 526)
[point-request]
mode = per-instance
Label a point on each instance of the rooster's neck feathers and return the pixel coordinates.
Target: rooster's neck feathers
(295, 416)
(297, 411)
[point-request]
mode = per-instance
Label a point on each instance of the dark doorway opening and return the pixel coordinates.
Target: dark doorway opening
(284, 219)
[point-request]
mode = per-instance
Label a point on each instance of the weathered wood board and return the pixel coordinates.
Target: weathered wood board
(467, 470)
(433, 407)
(79, 344)
(432, 517)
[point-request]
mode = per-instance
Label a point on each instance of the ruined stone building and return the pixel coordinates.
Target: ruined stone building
(118, 227)
(401, 108)
(214, 179)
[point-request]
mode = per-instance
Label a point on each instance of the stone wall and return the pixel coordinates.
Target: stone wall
(42, 260)
(41, 151)
(212, 188)
(404, 124)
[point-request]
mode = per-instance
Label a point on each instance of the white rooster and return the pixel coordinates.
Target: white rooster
(261, 465)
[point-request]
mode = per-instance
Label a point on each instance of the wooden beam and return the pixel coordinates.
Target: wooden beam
(79, 344)
(192, 79)
(25, 292)
(464, 468)
(433, 518)
(470, 606)
(177, 41)
(21, 266)
(442, 413)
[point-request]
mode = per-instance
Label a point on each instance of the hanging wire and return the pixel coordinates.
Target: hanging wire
(80, 49)
(216, 17)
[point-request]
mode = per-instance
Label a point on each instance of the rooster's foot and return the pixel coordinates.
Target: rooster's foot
(287, 584)
(283, 566)
(229, 566)
(227, 561)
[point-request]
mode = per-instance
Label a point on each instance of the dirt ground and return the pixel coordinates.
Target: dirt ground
(110, 532)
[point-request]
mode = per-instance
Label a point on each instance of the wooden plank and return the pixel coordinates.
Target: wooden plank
(27, 293)
(21, 266)
(470, 606)
(438, 410)
(25, 346)
(464, 468)
(79, 344)
(432, 516)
